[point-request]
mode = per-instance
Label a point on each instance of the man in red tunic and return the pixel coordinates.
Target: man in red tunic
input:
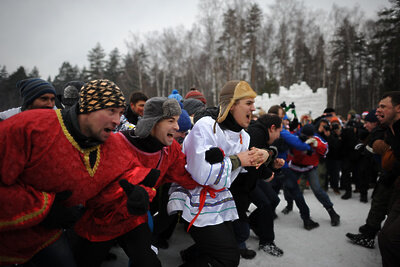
(153, 144)
(51, 163)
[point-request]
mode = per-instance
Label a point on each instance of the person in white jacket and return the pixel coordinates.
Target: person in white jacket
(217, 150)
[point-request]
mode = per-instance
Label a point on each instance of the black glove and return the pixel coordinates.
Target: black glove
(273, 152)
(61, 216)
(214, 155)
(138, 199)
(387, 178)
(151, 179)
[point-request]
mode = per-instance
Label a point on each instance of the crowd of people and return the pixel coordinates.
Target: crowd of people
(97, 171)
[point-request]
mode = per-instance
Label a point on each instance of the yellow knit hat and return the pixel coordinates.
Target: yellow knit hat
(230, 93)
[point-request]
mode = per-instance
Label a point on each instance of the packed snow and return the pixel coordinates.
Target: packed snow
(305, 100)
(324, 246)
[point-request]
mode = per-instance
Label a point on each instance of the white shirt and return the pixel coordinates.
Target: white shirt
(218, 176)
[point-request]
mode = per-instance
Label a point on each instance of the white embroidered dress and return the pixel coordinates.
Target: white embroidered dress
(218, 176)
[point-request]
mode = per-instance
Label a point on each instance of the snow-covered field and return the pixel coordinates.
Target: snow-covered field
(324, 246)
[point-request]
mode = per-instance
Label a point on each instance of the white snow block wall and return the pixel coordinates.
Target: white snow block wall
(305, 100)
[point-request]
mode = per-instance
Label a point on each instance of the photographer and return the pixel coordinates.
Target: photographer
(349, 156)
(324, 132)
(333, 157)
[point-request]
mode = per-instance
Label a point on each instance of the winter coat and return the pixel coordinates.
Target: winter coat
(38, 158)
(98, 224)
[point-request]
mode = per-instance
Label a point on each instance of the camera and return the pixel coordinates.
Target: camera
(327, 128)
(292, 105)
(335, 126)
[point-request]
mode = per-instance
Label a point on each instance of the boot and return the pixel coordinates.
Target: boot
(335, 218)
(310, 224)
(368, 230)
(287, 209)
(347, 195)
(362, 240)
(247, 253)
(271, 249)
(364, 198)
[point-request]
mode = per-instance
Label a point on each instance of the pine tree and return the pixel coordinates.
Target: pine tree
(113, 68)
(96, 58)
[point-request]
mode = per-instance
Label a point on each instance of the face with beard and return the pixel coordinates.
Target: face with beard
(386, 112)
(100, 123)
(43, 101)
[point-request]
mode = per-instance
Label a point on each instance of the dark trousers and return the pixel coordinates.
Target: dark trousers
(292, 192)
(215, 245)
(262, 218)
(164, 224)
(381, 200)
(389, 237)
(58, 254)
(136, 244)
(333, 171)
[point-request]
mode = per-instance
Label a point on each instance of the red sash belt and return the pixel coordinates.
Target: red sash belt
(203, 194)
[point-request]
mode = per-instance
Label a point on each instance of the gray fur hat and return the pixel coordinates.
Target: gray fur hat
(156, 109)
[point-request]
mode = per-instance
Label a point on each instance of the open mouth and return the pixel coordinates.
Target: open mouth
(108, 130)
(170, 135)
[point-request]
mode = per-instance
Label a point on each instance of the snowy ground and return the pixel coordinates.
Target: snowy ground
(323, 246)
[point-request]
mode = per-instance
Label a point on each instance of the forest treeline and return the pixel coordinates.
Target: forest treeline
(356, 59)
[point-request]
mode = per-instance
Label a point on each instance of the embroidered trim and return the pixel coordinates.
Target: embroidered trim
(18, 260)
(29, 216)
(221, 170)
(85, 152)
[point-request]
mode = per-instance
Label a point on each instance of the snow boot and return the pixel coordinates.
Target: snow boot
(364, 198)
(247, 253)
(335, 218)
(346, 195)
(362, 240)
(287, 209)
(368, 230)
(310, 224)
(271, 249)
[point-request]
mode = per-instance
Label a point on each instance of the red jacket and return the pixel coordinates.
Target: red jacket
(99, 224)
(38, 158)
(302, 162)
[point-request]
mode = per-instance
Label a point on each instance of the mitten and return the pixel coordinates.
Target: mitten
(151, 179)
(61, 216)
(138, 199)
(215, 155)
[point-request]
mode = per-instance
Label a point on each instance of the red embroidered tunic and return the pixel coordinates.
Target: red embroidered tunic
(99, 224)
(38, 158)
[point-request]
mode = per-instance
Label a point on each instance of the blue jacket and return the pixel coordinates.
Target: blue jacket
(292, 141)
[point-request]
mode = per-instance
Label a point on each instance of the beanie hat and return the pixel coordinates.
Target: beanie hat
(308, 130)
(196, 95)
(33, 88)
(371, 117)
(192, 105)
(100, 94)
(184, 122)
(175, 94)
(156, 109)
(71, 92)
(335, 120)
(72, 88)
(230, 93)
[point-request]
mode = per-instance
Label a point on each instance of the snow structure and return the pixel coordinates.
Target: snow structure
(305, 100)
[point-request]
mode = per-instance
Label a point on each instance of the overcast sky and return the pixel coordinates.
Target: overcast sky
(45, 33)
